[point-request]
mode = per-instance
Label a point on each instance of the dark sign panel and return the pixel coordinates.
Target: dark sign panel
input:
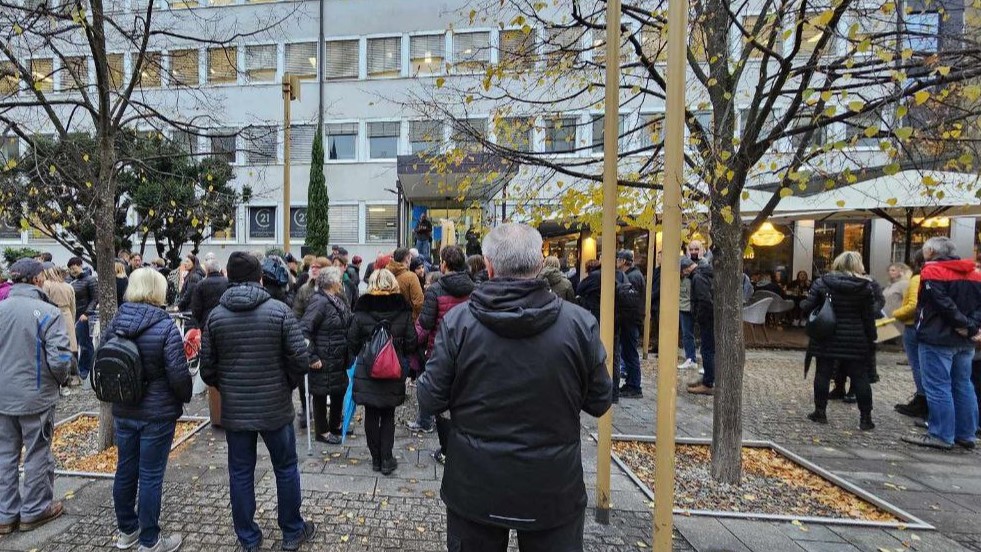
(298, 222)
(262, 223)
(9, 229)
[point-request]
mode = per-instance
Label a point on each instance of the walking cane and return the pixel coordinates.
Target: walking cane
(307, 402)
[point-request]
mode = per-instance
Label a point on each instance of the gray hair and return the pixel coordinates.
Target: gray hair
(329, 277)
(211, 265)
(514, 250)
(940, 247)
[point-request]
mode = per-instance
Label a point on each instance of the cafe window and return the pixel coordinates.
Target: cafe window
(938, 227)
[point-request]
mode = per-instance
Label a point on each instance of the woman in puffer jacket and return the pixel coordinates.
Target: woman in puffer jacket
(145, 432)
(325, 325)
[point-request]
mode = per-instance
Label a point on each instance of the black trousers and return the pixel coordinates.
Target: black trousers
(855, 369)
(321, 423)
(442, 431)
(464, 535)
(379, 431)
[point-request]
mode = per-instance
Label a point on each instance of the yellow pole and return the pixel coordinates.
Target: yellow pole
(648, 311)
(667, 374)
(610, 155)
(287, 98)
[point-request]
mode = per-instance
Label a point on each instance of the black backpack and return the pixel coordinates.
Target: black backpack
(117, 376)
(629, 304)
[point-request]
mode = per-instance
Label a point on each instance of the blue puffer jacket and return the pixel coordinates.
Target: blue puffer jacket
(164, 364)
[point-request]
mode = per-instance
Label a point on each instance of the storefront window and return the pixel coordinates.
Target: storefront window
(920, 235)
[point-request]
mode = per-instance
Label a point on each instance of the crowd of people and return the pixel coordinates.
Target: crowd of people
(469, 331)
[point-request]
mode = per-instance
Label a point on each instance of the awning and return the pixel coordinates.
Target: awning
(480, 176)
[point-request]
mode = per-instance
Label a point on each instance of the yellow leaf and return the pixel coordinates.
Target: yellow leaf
(17, 29)
(85, 157)
(921, 97)
(786, 192)
(726, 214)
(871, 132)
(840, 203)
(345, 538)
(972, 92)
(891, 169)
(904, 133)
(943, 70)
(826, 95)
(856, 105)
(440, 82)
(892, 202)
(907, 53)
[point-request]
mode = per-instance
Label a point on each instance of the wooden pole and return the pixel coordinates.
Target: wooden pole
(610, 155)
(667, 374)
(648, 310)
(287, 98)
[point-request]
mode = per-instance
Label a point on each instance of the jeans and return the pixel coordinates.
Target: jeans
(86, 351)
(464, 535)
(688, 334)
(241, 474)
(952, 404)
(425, 419)
(33, 434)
(855, 369)
(379, 431)
(630, 355)
(425, 248)
(911, 345)
(143, 451)
(708, 353)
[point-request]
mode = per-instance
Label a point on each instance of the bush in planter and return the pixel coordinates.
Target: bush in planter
(12, 254)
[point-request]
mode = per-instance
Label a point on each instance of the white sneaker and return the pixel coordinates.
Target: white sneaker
(126, 541)
(701, 371)
(687, 364)
(169, 543)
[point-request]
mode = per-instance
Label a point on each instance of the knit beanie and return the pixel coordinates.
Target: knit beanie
(243, 267)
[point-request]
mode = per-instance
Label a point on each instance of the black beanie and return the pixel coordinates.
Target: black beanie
(243, 267)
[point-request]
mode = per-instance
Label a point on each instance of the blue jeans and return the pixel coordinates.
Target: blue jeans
(86, 351)
(143, 450)
(911, 344)
(946, 376)
(688, 334)
(629, 355)
(241, 474)
(425, 248)
(708, 353)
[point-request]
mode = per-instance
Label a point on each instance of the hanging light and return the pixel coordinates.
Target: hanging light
(766, 236)
(933, 222)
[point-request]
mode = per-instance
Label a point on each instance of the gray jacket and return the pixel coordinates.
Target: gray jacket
(34, 353)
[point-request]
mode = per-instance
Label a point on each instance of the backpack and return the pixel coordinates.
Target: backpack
(275, 272)
(629, 304)
(380, 356)
(117, 376)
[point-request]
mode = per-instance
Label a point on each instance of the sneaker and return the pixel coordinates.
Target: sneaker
(849, 398)
(927, 440)
(169, 543)
(376, 465)
(631, 393)
(921, 423)
(250, 548)
(52, 513)
(125, 541)
(8, 528)
(701, 389)
(865, 423)
(915, 408)
(687, 364)
(818, 417)
(701, 371)
(309, 530)
(439, 457)
(965, 444)
(419, 428)
(330, 439)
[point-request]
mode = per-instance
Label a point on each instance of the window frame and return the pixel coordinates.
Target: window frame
(356, 41)
(387, 73)
(367, 223)
(369, 157)
(227, 80)
(247, 72)
(437, 67)
(357, 139)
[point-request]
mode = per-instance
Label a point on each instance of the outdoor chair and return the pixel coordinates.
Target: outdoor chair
(779, 307)
(754, 315)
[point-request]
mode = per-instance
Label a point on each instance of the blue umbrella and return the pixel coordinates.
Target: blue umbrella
(349, 405)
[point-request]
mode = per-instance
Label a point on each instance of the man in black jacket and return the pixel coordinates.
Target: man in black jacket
(86, 287)
(253, 351)
(630, 331)
(206, 295)
(702, 278)
(539, 362)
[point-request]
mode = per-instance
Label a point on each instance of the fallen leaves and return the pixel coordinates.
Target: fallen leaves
(74, 447)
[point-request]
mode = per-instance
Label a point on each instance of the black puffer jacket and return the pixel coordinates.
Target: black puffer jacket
(588, 294)
(515, 367)
(253, 351)
(451, 289)
(701, 295)
(368, 312)
(86, 288)
(191, 281)
(325, 324)
(206, 295)
(164, 365)
(854, 302)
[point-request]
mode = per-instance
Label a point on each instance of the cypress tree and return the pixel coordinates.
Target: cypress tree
(318, 225)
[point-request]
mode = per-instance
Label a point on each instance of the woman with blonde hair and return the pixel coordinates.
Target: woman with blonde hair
(382, 304)
(122, 280)
(63, 296)
(851, 347)
(899, 280)
(145, 431)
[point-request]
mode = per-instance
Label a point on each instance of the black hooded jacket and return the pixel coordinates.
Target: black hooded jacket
(368, 312)
(854, 302)
(206, 295)
(253, 351)
(701, 295)
(515, 367)
(325, 324)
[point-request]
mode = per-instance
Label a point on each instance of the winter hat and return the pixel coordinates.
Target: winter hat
(686, 262)
(626, 255)
(243, 267)
(25, 270)
(383, 261)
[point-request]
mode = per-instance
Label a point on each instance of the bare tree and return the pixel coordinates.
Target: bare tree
(787, 96)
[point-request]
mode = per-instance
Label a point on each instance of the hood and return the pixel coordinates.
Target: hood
(29, 291)
(135, 318)
(457, 284)
(244, 297)
(705, 271)
(381, 302)
(552, 275)
(847, 285)
(515, 308)
(396, 268)
(959, 266)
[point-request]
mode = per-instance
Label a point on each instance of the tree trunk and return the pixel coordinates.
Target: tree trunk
(105, 221)
(730, 355)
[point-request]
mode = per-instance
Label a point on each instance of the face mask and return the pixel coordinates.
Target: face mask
(694, 257)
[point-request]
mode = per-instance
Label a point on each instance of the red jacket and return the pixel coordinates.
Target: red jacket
(949, 300)
(449, 291)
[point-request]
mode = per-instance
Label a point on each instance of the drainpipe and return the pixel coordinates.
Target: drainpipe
(321, 60)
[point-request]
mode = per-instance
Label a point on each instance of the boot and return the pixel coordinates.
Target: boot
(819, 416)
(837, 394)
(865, 422)
(915, 408)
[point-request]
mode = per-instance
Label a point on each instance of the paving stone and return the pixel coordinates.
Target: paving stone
(708, 534)
(818, 546)
(809, 532)
(757, 535)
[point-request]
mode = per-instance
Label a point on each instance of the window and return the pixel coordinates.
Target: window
(184, 67)
(345, 221)
(425, 136)
(342, 60)
(810, 35)
(383, 140)
(9, 149)
(560, 135)
(922, 31)
(562, 45)
(763, 35)
(262, 223)
(187, 142)
(769, 124)
(471, 51)
(260, 63)
(9, 78)
(517, 49)
(817, 136)
(651, 129)
(864, 129)
(261, 145)
(301, 143)
(385, 57)
(117, 71)
(468, 132)
(228, 234)
(342, 140)
(76, 73)
(704, 121)
(222, 65)
(41, 74)
(223, 146)
(599, 132)
(381, 223)
(516, 133)
(654, 43)
(183, 4)
(426, 54)
(150, 73)
(301, 60)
